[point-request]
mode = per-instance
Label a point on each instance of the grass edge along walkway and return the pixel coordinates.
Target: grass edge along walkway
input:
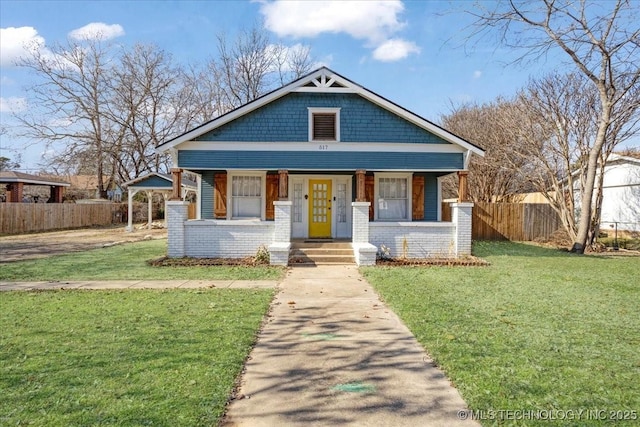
(538, 330)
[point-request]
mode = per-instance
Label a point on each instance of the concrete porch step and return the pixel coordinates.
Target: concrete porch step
(316, 253)
(321, 251)
(320, 244)
(321, 259)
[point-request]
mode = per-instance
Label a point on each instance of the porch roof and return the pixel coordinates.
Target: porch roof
(157, 181)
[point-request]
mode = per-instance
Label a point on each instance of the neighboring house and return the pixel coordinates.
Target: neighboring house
(319, 158)
(621, 193)
(17, 181)
(86, 187)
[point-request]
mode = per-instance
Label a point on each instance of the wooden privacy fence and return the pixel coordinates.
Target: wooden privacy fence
(18, 218)
(510, 221)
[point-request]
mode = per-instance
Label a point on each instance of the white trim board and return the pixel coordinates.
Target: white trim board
(387, 147)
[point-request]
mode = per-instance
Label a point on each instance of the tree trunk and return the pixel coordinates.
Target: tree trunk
(584, 224)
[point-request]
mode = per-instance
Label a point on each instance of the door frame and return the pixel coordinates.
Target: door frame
(301, 230)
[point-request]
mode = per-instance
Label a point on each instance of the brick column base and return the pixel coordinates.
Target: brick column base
(279, 248)
(177, 213)
(363, 251)
(461, 217)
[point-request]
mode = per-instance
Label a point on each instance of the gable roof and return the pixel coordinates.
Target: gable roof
(322, 80)
(138, 182)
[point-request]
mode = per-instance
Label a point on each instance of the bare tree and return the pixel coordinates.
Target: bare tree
(244, 65)
(500, 174)
(147, 106)
(557, 121)
(102, 109)
(67, 106)
(602, 41)
(253, 65)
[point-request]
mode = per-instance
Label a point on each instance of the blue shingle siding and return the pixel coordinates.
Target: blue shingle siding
(153, 181)
(430, 197)
(287, 120)
(206, 196)
(272, 160)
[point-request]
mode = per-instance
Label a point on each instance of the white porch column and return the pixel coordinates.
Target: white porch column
(363, 251)
(129, 228)
(176, 214)
(461, 217)
(279, 248)
(149, 208)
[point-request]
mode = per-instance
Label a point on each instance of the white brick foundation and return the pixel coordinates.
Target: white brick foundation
(426, 239)
(415, 239)
(225, 238)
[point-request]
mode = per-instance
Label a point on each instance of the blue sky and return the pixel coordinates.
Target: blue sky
(411, 52)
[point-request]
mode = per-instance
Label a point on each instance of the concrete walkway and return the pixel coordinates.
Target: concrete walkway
(331, 353)
(136, 284)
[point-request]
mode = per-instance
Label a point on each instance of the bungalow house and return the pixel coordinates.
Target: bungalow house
(319, 158)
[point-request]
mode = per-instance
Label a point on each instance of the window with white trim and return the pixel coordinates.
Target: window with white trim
(393, 198)
(324, 124)
(246, 196)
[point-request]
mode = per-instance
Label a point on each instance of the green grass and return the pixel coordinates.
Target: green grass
(539, 329)
(125, 358)
(126, 262)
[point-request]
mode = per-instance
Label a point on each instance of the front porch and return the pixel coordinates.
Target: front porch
(243, 238)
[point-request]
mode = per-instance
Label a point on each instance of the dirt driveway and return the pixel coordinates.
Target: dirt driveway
(42, 245)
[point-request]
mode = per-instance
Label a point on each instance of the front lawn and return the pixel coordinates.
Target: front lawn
(539, 329)
(135, 357)
(126, 262)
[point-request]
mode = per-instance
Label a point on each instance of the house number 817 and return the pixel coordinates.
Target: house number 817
(323, 147)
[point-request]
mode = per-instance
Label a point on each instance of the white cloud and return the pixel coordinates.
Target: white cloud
(60, 122)
(374, 21)
(394, 50)
(17, 42)
(97, 31)
(12, 105)
(477, 74)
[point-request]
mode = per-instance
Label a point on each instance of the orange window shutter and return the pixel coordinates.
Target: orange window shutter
(418, 198)
(272, 196)
(369, 193)
(220, 195)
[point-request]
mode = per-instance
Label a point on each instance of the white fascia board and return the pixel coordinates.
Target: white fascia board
(388, 147)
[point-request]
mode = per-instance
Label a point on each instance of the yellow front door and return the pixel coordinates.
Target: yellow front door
(320, 208)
